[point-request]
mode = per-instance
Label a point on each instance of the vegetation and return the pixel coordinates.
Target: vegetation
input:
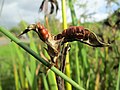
(92, 68)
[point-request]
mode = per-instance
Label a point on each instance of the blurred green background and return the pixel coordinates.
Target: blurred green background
(96, 69)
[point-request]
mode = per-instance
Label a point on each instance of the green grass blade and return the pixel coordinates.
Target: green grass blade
(51, 77)
(67, 68)
(45, 82)
(118, 79)
(33, 63)
(73, 15)
(20, 62)
(84, 57)
(28, 76)
(75, 22)
(77, 70)
(64, 14)
(17, 41)
(52, 80)
(16, 77)
(0, 86)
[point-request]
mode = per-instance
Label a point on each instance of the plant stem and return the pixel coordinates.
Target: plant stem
(17, 41)
(118, 79)
(45, 82)
(74, 22)
(64, 14)
(67, 69)
(73, 15)
(52, 80)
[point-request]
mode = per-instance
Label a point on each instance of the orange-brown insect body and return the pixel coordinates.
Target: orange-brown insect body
(42, 32)
(74, 33)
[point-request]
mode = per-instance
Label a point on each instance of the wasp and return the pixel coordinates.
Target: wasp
(79, 33)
